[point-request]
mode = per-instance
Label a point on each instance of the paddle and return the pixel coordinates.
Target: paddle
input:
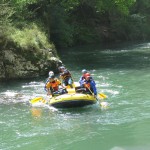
(103, 104)
(41, 99)
(37, 99)
(102, 96)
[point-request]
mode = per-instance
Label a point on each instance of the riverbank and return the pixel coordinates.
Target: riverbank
(26, 53)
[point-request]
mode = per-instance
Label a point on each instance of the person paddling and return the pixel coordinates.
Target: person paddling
(66, 77)
(87, 85)
(84, 71)
(84, 74)
(52, 87)
(51, 73)
(90, 85)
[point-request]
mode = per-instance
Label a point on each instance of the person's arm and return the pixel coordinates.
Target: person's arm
(83, 82)
(46, 84)
(48, 88)
(45, 88)
(48, 91)
(58, 82)
(93, 85)
(80, 80)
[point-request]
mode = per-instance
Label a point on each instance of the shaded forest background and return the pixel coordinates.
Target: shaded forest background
(29, 24)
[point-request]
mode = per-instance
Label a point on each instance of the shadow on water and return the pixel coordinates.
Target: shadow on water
(17, 83)
(80, 110)
(108, 57)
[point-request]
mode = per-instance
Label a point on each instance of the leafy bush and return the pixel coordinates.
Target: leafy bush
(30, 37)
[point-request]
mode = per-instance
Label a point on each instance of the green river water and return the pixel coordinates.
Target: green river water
(121, 72)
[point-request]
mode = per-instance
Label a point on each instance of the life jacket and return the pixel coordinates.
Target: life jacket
(54, 84)
(87, 85)
(65, 75)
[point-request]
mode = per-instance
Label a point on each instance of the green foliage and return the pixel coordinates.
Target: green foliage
(22, 3)
(69, 22)
(30, 38)
(84, 34)
(69, 5)
(61, 31)
(142, 6)
(124, 5)
(121, 6)
(21, 10)
(6, 11)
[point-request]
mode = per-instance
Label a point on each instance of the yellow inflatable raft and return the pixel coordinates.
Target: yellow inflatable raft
(68, 100)
(72, 100)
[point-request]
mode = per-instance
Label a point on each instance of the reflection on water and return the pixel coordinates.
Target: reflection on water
(36, 112)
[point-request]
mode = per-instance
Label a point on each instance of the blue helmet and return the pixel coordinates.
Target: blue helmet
(61, 67)
(84, 71)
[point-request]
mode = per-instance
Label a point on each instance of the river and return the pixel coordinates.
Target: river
(121, 72)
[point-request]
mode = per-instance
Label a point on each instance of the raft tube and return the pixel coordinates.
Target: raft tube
(72, 100)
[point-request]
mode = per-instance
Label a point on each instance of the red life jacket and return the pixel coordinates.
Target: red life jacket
(87, 85)
(54, 85)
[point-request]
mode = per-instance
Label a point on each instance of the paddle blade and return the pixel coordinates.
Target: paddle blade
(35, 100)
(102, 96)
(104, 105)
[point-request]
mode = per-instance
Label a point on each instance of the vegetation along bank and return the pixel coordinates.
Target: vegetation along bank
(32, 30)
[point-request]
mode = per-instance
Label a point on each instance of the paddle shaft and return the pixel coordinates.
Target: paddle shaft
(101, 103)
(91, 92)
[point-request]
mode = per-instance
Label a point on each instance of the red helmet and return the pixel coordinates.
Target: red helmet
(87, 74)
(87, 77)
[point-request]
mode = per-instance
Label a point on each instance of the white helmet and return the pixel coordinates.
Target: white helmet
(51, 73)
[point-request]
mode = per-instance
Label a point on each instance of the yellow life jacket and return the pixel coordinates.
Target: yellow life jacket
(54, 84)
(65, 75)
